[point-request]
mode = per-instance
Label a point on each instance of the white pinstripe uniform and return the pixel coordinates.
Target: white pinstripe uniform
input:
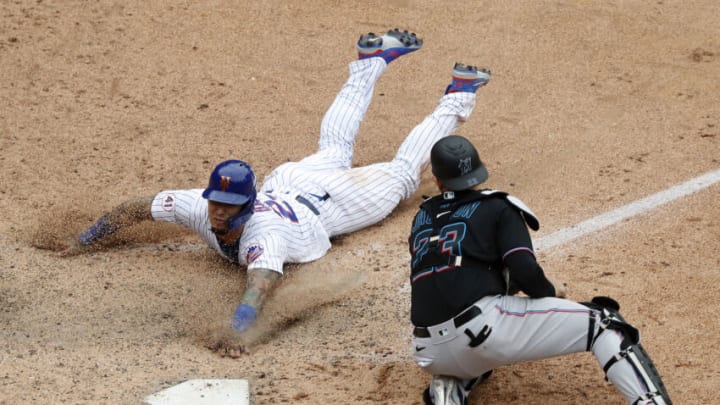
(283, 230)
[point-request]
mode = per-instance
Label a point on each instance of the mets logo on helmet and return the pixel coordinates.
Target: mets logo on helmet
(465, 166)
(224, 182)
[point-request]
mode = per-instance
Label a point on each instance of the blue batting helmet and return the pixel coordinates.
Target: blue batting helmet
(233, 182)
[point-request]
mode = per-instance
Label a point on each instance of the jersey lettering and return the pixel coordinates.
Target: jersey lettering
(466, 210)
(422, 219)
(282, 208)
(451, 237)
(420, 246)
(449, 241)
(260, 207)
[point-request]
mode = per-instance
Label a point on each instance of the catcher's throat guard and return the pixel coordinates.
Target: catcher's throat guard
(529, 217)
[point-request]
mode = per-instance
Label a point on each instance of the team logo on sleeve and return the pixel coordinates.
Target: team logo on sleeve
(168, 202)
(254, 252)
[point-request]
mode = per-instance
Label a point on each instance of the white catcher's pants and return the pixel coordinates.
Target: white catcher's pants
(362, 196)
(521, 329)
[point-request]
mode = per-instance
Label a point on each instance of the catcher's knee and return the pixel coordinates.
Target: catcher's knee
(609, 318)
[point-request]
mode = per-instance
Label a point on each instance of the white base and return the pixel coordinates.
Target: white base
(203, 392)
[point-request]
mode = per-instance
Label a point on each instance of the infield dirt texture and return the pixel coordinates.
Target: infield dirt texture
(592, 105)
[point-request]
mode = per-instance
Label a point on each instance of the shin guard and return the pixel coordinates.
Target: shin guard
(630, 350)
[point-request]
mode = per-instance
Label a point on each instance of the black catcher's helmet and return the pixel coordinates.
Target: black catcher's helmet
(456, 163)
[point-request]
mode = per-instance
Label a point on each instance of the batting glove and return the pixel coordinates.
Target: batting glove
(244, 317)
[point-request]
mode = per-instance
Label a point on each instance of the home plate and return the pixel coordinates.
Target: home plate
(203, 392)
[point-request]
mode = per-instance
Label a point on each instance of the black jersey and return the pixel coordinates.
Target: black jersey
(458, 242)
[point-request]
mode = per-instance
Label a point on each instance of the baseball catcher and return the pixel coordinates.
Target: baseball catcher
(302, 205)
(471, 251)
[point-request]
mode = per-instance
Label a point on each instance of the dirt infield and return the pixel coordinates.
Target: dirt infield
(592, 105)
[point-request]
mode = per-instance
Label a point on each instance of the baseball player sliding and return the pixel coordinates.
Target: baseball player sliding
(471, 252)
(302, 205)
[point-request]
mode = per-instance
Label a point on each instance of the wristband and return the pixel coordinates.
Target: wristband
(100, 229)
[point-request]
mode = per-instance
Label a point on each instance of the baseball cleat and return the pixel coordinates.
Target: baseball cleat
(467, 79)
(389, 46)
(444, 391)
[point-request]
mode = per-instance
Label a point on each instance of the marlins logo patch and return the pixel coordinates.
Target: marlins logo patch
(254, 252)
(465, 166)
(168, 202)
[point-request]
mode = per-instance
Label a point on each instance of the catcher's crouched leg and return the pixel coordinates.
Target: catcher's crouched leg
(626, 364)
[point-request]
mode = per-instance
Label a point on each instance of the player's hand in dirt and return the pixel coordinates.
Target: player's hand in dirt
(234, 353)
(227, 343)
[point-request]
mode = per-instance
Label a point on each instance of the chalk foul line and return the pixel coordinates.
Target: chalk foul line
(601, 221)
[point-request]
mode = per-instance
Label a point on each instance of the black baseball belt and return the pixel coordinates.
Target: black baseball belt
(304, 201)
(464, 317)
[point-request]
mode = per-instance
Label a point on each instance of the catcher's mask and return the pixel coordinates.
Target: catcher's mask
(233, 182)
(456, 163)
